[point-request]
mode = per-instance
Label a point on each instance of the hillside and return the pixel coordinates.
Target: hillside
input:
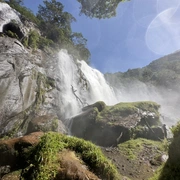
(158, 81)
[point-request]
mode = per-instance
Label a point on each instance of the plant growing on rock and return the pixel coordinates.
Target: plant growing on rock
(43, 160)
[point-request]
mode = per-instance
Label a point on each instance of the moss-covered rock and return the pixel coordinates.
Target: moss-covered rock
(111, 125)
(55, 156)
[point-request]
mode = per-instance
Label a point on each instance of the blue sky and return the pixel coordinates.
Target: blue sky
(142, 31)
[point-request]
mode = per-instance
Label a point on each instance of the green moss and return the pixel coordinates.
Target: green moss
(171, 169)
(54, 124)
(157, 173)
(133, 147)
(176, 129)
(127, 108)
(33, 39)
(43, 85)
(167, 172)
(139, 131)
(93, 157)
(15, 175)
(43, 159)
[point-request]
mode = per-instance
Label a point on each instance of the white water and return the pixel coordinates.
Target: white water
(81, 85)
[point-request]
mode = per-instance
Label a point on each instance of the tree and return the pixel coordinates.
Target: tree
(99, 8)
(80, 46)
(14, 2)
(54, 23)
(78, 38)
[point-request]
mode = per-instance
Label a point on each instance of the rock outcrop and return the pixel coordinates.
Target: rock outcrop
(13, 21)
(27, 88)
(111, 125)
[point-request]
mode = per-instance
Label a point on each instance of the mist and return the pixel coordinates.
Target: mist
(80, 85)
(135, 90)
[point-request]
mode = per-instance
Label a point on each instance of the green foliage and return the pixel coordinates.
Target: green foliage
(43, 158)
(128, 108)
(176, 130)
(171, 169)
(54, 20)
(93, 157)
(55, 27)
(55, 24)
(99, 9)
(44, 42)
(167, 172)
(11, 34)
(157, 173)
(134, 147)
(33, 39)
(25, 12)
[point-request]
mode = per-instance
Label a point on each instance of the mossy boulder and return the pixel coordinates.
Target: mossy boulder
(55, 156)
(110, 125)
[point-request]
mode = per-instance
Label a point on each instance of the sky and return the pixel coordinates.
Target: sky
(142, 31)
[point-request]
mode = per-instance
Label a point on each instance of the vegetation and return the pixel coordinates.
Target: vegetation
(163, 72)
(43, 159)
(99, 9)
(171, 169)
(176, 130)
(133, 148)
(126, 108)
(55, 29)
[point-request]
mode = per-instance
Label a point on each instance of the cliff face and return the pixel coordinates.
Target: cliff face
(27, 88)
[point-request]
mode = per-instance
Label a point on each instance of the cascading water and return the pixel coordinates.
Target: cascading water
(80, 85)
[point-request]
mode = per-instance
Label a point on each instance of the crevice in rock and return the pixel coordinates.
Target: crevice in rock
(13, 27)
(13, 65)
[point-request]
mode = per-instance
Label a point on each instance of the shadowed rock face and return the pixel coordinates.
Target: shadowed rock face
(110, 125)
(12, 151)
(13, 28)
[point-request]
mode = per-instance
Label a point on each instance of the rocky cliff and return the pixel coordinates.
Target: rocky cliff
(28, 89)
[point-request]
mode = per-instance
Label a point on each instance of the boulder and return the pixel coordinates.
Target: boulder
(12, 151)
(111, 125)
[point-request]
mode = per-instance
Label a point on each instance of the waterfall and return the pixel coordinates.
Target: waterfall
(80, 85)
